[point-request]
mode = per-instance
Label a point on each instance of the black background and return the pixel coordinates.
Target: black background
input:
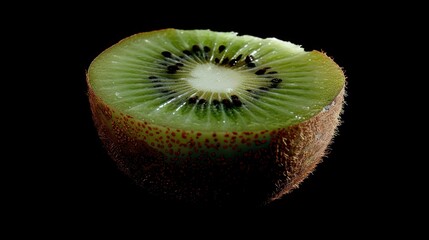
(70, 171)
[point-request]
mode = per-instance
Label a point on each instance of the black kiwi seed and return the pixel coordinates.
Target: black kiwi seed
(236, 101)
(179, 64)
(227, 104)
(206, 49)
(221, 48)
(262, 71)
(193, 100)
(233, 62)
(216, 103)
(249, 59)
(196, 48)
(251, 65)
(264, 88)
(225, 61)
(187, 52)
(272, 72)
(217, 60)
(276, 80)
(201, 101)
(166, 54)
(172, 69)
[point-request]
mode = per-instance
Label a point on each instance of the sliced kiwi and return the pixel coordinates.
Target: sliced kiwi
(215, 117)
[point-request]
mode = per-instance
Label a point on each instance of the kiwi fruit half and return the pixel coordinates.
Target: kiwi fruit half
(215, 118)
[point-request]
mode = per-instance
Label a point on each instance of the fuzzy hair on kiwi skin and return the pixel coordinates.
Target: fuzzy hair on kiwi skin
(253, 177)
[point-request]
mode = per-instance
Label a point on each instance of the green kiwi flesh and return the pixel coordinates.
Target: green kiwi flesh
(215, 117)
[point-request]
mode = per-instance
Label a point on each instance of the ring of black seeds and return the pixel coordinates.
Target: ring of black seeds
(197, 52)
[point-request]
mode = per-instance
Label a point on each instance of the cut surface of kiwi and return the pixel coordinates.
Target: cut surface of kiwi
(213, 116)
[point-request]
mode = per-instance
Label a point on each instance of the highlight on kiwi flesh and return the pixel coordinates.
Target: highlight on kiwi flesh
(215, 118)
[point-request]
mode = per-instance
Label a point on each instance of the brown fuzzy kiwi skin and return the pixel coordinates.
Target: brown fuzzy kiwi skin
(252, 177)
